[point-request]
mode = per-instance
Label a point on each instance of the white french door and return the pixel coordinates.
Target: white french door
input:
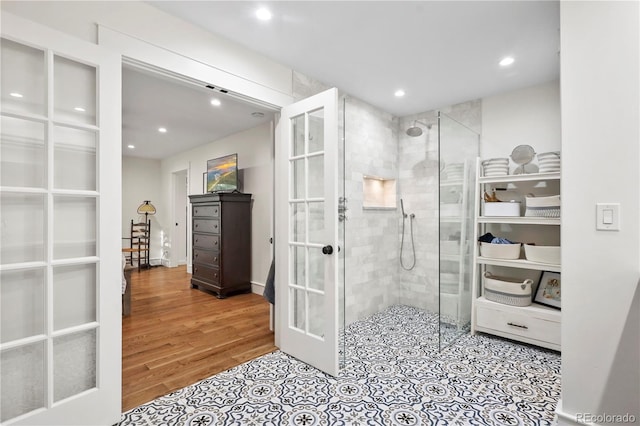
(60, 261)
(307, 230)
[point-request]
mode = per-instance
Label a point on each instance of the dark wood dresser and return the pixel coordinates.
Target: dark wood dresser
(221, 242)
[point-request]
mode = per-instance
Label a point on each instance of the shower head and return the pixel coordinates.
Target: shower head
(415, 131)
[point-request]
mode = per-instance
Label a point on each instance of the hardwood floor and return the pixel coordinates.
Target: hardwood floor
(177, 335)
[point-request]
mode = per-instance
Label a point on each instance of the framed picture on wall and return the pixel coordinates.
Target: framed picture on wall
(204, 183)
(548, 292)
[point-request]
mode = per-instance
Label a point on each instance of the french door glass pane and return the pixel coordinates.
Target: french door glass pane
(23, 382)
(298, 222)
(74, 91)
(74, 295)
(74, 227)
(23, 223)
(23, 79)
(22, 153)
(316, 222)
(74, 364)
(74, 160)
(298, 182)
(22, 302)
(297, 266)
(316, 131)
(297, 308)
(316, 268)
(316, 317)
(297, 130)
(316, 176)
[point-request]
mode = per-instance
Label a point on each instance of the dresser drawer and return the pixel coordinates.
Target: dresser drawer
(207, 211)
(206, 273)
(206, 225)
(206, 256)
(519, 324)
(211, 242)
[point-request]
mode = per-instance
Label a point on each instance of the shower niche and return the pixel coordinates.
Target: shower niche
(378, 193)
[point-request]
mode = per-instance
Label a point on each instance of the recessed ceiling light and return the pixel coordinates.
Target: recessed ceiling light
(216, 102)
(257, 114)
(505, 62)
(162, 130)
(263, 14)
(131, 146)
(399, 93)
(16, 94)
(79, 109)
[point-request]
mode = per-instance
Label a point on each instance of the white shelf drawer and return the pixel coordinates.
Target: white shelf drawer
(524, 323)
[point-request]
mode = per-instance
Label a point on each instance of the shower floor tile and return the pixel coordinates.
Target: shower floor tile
(393, 375)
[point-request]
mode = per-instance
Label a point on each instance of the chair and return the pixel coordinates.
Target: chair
(138, 250)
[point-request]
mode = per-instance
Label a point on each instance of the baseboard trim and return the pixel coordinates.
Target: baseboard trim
(566, 419)
(257, 288)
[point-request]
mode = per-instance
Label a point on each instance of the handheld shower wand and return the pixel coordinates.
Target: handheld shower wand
(413, 247)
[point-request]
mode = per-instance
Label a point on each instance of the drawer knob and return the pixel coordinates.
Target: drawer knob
(196, 254)
(215, 226)
(215, 211)
(215, 259)
(518, 325)
(215, 244)
(196, 225)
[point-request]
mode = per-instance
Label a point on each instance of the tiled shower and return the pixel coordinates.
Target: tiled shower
(376, 152)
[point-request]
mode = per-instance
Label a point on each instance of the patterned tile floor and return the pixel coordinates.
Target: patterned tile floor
(393, 375)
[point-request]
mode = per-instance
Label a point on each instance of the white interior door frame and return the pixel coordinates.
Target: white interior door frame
(179, 183)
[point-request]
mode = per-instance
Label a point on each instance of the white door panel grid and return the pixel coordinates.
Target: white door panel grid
(307, 230)
(60, 210)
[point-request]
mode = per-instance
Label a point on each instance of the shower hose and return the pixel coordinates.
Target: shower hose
(413, 247)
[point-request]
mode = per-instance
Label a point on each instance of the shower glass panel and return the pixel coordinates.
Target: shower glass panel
(341, 233)
(458, 150)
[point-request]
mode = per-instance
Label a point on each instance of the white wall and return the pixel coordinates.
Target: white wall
(529, 116)
(143, 21)
(141, 180)
(255, 160)
(600, 147)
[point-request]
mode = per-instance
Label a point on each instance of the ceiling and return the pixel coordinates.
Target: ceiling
(439, 52)
(151, 101)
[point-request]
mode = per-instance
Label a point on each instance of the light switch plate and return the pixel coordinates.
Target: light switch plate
(608, 216)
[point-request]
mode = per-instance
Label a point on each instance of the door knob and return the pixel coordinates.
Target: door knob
(327, 250)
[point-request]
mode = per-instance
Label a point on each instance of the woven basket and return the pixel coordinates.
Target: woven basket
(508, 291)
(543, 206)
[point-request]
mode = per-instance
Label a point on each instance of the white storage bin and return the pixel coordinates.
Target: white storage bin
(502, 209)
(542, 206)
(508, 291)
(500, 251)
(542, 254)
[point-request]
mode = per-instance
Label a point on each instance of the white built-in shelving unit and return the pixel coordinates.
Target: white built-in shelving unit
(536, 324)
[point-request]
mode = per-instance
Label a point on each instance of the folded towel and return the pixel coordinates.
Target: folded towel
(269, 288)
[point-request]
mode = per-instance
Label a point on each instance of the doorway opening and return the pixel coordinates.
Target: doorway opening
(166, 167)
